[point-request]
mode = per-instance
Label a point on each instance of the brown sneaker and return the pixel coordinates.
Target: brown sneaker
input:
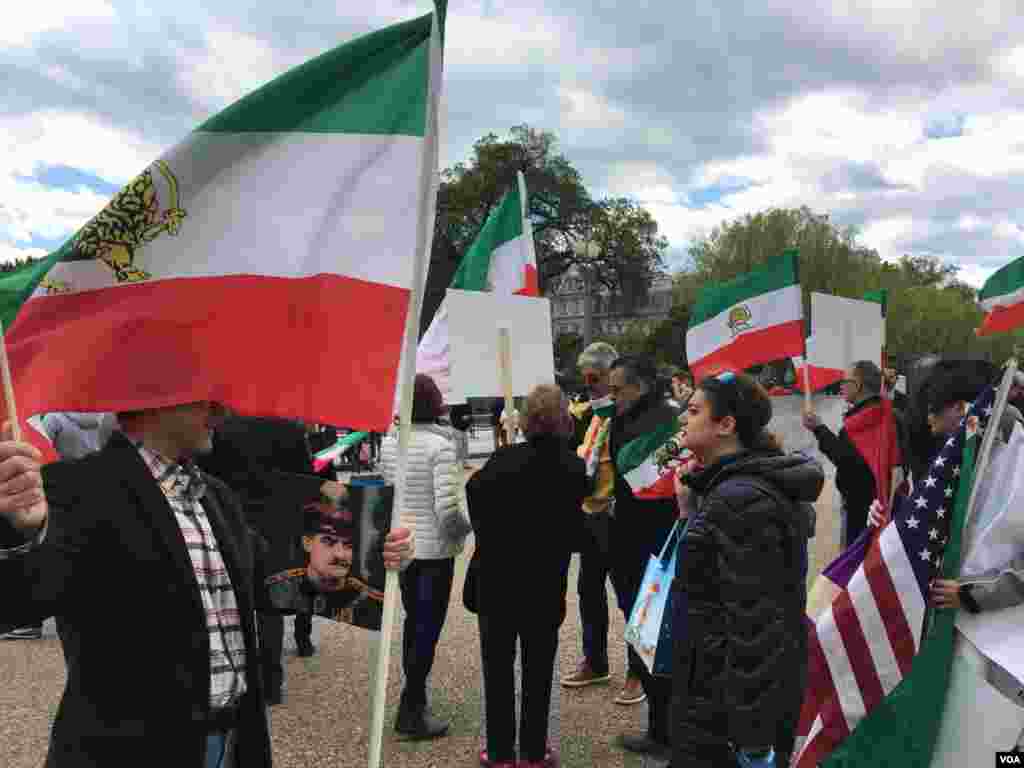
(584, 676)
(632, 692)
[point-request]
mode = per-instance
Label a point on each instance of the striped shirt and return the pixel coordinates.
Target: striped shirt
(227, 643)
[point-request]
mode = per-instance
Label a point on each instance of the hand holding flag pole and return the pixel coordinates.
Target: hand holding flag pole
(12, 407)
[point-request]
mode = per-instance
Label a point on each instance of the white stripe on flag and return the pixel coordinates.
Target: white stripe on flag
(843, 679)
(816, 728)
(643, 476)
(904, 581)
(877, 638)
(1005, 300)
(766, 309)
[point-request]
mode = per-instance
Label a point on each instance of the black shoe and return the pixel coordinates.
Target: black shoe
(305, 648)
(420, 725)
(274, 698)
(643, 744)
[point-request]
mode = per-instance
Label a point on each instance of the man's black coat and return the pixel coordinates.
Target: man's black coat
(114, 569)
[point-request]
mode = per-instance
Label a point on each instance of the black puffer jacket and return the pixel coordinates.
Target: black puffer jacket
(740, 600)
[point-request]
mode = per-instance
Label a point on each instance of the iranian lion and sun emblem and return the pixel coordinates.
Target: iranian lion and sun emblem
(131, 219)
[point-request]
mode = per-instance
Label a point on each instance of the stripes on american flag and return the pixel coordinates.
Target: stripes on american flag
(873, 601)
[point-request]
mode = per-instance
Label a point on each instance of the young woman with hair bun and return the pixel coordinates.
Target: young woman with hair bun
(740, 656)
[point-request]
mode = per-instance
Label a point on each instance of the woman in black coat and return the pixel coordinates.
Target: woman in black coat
(740, 587)
(526, 509)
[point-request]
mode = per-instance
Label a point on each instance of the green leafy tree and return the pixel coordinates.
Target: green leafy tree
(561, 211)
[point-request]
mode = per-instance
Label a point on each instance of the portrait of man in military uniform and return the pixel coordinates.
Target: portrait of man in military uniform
(339, 579)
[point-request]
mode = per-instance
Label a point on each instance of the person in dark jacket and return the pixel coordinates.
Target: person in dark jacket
(740, 589)
(861, 388)
(526, 509)
(268, 463)
(639, 526)
(101, 541)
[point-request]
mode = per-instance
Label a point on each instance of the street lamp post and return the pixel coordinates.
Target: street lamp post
(587, 251)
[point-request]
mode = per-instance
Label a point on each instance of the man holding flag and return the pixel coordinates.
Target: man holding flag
(866, 448)
(138, 529)
(644, 512)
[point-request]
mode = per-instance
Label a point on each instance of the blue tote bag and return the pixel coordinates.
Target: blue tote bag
(649, 629)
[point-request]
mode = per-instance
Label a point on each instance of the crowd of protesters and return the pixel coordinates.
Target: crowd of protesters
(199, 506)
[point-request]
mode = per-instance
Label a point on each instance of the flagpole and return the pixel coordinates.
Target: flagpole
(998, 409)
(407, 375)
(12, 406)
(524, 206)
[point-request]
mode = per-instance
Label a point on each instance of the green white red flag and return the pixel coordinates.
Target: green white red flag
(500, 260)
(641, 463)
(266, 261)
(1002, 298)
(756, 318)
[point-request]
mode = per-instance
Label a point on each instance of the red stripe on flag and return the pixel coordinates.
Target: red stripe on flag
(773, 343)
(858, 652)
(901, 637)
(320, 349)
(531, 282)
(821, 700)
(1001, 320)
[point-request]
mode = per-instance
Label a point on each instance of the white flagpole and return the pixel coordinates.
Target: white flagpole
(981, 463)
(427, 209)
(524, 205)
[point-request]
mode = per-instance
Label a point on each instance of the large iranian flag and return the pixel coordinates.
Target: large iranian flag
(756, 318)
(267, 261)
(1002, 298)
(500, 260)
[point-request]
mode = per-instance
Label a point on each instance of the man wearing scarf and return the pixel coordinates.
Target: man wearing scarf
(867, 448)
(592, 417)
(644, 513)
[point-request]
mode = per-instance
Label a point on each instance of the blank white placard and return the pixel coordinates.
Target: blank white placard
(474, 318)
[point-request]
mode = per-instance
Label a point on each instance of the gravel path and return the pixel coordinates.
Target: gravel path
(324, 719)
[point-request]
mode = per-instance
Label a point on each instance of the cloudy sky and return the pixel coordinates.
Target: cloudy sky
(904, 118)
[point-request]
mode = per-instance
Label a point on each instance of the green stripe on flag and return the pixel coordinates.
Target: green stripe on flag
(375, 84)
(879, 297)
(775, 274)
(17, 286)
(637, 451)
(504, 223)
(902, 729)
(1007, 280)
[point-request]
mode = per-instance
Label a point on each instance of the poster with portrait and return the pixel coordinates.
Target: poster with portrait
(339, 569)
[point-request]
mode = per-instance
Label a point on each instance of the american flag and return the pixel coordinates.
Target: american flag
(866, 613)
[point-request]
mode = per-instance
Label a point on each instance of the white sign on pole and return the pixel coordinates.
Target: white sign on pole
(845, 331)
(474, 320)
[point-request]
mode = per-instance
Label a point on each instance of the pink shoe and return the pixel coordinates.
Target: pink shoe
(486, 762)
(550, 761)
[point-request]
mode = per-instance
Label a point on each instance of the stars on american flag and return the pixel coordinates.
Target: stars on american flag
(924, 517)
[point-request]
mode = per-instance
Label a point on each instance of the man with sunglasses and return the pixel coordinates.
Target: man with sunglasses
(852, 450)
(593, 424)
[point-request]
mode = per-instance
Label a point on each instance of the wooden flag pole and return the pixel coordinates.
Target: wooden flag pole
(9, 402)
(505, 377)
(407, 374)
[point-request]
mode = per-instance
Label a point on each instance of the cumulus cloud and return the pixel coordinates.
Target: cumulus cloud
(896, 118)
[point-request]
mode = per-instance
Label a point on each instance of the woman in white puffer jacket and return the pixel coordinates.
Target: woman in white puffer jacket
(433, 511)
